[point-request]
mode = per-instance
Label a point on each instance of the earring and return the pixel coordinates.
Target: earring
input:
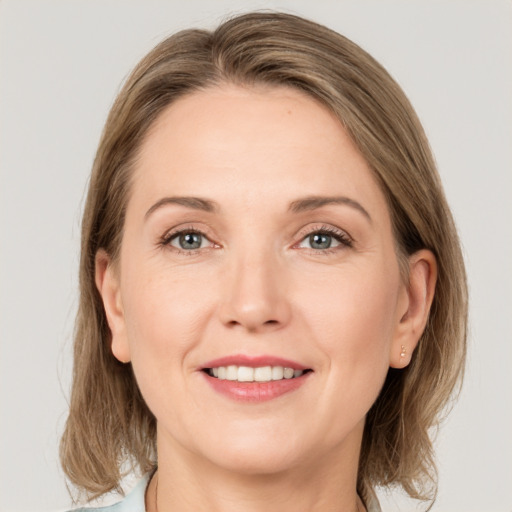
(403, 352)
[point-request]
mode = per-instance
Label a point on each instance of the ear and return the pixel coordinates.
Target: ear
(414, 307)
(107, 282)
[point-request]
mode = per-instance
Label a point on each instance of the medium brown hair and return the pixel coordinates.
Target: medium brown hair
(109, 423)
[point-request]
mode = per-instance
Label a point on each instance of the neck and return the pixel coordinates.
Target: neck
(186, 483)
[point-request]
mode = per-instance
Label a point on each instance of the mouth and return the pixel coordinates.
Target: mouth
(255, 379)
(254, 374)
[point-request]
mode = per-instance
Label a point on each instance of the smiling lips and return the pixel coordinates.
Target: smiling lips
(254, 379)
(259, 374)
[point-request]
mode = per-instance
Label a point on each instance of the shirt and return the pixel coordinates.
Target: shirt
(134, 501)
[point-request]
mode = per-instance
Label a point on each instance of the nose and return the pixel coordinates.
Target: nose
(255, 294)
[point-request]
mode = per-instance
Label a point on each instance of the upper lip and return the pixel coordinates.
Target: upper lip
(253, 362)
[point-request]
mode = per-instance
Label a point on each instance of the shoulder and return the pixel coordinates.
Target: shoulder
(373, 505)
(134, 501)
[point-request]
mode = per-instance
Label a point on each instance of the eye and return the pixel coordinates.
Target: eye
(320, 241)
(325, 239)
(188, 240)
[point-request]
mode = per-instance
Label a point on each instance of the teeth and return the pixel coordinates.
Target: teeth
(232, 373)
(263, 374)
(259, 374)
(277, 372)
(288, 373)
(245, 374)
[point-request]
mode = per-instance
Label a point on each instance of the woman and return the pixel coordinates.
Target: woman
(273, 299)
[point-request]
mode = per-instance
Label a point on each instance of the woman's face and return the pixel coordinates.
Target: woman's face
(256, 242)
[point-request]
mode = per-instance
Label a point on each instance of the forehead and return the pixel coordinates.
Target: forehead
(250, 116)
(238, 140)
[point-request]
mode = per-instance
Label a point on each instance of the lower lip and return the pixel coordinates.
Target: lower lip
(255, 391)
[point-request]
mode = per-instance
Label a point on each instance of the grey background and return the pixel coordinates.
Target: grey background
(61, 64)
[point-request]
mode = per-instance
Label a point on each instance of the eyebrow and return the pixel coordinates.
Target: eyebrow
(196, 203)
(314, 202)
(300, 205)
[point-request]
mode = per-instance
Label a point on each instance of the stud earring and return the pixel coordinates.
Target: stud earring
(403, 352)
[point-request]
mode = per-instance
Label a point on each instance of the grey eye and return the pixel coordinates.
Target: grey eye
(188, 241)
(320, 241)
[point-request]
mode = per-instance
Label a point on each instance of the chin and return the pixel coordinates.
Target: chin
(256, 464)
(256, 454)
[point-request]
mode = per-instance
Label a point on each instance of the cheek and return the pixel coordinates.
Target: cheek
(162, 308)
(356, 300)
(165, 317)
(352, 317)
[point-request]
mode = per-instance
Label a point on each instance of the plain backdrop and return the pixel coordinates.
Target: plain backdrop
(61, 64)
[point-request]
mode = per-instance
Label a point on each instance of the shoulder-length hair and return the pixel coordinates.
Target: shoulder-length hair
(109, 424)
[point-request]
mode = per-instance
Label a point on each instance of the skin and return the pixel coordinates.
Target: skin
(257, 286)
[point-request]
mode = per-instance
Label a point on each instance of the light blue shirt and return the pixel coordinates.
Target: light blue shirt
(134, 501)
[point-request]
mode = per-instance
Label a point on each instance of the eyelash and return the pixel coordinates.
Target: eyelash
(166, 240)
(340, 236)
